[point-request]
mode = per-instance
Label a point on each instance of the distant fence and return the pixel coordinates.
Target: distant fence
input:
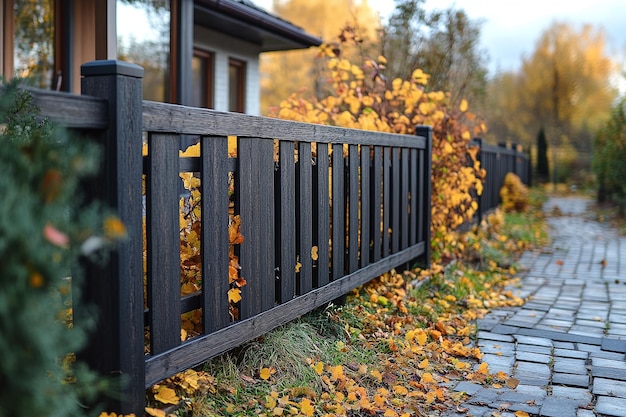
(359, 200)
(498, 161)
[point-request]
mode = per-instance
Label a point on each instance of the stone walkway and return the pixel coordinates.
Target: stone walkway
(567, 344)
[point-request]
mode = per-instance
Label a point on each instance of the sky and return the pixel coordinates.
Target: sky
(510, 28)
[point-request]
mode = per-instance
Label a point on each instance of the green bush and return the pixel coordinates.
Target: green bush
(609, 157)
(44, 226)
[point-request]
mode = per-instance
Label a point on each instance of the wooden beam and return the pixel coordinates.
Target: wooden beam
(106, 31)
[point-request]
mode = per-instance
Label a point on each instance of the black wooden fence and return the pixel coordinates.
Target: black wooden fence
(498, 161)
(361, 199)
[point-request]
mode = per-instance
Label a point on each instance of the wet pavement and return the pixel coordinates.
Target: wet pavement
(567, 344)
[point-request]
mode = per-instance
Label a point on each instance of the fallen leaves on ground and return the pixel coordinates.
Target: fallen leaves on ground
(420, 330)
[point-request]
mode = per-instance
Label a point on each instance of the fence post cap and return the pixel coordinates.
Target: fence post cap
(111, 67)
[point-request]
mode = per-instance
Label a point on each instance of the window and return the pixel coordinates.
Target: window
(143, 37)
(202, 79)
(33, 44)
(236, 85)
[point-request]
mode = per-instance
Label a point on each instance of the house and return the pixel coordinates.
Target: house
(195, 52)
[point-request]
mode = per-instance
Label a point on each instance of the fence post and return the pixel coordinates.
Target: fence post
(115, 289)
(426, 174)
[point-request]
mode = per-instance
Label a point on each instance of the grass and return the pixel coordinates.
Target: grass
(342, 358)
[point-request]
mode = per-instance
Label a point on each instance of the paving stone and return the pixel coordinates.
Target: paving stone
(558, 407)
(570, 353)
(611, 406)
(490, 346)
(608, 363)
(533, 368)
(484, 396)
(529, 408)
(588, 348)
(579, 394)
(533, 357)
(612, 387)
(544, 350)
(571, 380)
(495, 336)
(469, 388)
(536, 392)
(581, 412)
(609, 373)
(562, 337)
(570, 366)
(564, 345)
(503, 329)
(536, 341)
(607, 355)
(530, 379)
(477, 411)
(614, 345)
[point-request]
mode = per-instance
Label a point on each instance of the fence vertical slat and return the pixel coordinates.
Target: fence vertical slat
(353, 208)
(255, 192)
(426, 174)
(404, 199)
(214, 240)
(115, 289)
(396, 204)
(286, 221)
(413, 180)
(339, 213)
(323, 215)
(305, 210)
(386, 200)
(365, 206)
(376, 178)
(163, 240)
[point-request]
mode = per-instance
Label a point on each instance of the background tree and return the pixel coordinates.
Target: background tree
(563, 86)
(443, 43)
(285, 72)
(609, 157)
(543, 170)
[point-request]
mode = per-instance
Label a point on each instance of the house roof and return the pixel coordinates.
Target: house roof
(244, 20)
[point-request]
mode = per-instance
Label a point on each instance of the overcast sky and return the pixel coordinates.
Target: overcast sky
(511, 28)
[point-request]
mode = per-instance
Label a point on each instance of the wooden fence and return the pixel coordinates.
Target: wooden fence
(498, 161)
(360, 200)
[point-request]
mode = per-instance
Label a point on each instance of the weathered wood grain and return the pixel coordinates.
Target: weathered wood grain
(163, 117)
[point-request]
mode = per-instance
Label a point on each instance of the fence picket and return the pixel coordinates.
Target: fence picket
(255, 196)
(304, 231)
(339, 213)
(353, 208)
(365, 206)
(323, 215)
(214, 239)
(286, 221)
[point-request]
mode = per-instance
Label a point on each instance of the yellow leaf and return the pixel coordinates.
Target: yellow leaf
(521, 414)
(183, 335)
(483, 368)
(306, 408)
(278, 411)
(265, 373)
(427, 378)
(463, 106)
(400, 390)
(423, 364)
(155, 412)
(390, 413)
(319, 368)
(314, 255)
(234, 295)
(166, 395)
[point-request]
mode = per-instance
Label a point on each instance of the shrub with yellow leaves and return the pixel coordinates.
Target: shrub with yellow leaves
(362, 98)
(514, 194)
